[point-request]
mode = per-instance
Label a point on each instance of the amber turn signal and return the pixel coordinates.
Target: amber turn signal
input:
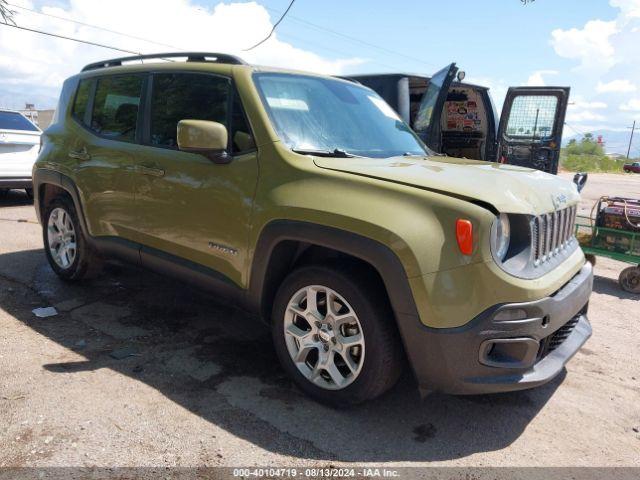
(464, 235)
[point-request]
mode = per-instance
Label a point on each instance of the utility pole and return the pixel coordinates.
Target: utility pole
(633, 129)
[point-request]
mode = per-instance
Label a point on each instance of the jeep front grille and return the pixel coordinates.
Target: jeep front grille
(551, 232)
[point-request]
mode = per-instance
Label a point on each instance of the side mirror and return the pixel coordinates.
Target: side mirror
(580, 179)
(207, 138)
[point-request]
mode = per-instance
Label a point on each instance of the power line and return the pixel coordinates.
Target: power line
(70, 38)
(574, 129)
(300, 20)
(274, 27)
(329, 49)
(354, 39)
(94, 26)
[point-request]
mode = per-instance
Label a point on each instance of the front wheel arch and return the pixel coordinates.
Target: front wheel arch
(284, 243)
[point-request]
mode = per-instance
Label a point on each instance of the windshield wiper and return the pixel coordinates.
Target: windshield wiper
(337, 152)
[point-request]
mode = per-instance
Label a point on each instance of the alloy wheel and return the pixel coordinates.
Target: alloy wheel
(61, 235)
(324, 337)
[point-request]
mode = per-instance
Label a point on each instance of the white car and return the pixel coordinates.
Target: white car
(19, 145)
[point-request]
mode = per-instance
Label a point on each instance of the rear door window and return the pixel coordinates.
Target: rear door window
(82, 100)
(115, 107)
(185, 96)
(15, 121)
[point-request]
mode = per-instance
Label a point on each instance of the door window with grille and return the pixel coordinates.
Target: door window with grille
(532, 116)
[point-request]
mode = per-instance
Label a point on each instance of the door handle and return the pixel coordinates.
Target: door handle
(152, 171)
(81, 154)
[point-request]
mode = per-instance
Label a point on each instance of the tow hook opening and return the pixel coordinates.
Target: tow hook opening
(509, 352)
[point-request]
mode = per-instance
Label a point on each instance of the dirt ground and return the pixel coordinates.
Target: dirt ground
(203, 387)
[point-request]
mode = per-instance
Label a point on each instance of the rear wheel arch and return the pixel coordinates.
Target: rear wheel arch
(47, 192)
(49, 185)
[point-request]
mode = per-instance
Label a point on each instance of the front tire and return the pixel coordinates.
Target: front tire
(334, 334)
(67, 250)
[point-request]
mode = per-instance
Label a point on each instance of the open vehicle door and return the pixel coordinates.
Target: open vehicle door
(531, 127)
(427, 120)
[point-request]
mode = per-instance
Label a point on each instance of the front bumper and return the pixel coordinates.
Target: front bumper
(17, 183)
(527, 345)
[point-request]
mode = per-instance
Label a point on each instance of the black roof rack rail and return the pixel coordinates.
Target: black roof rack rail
(348, 79)
(190, 56)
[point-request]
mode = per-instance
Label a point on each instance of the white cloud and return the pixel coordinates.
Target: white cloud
(630, 8)
(536, 79)
(33, 63)
(581, 110)
(584, 116)
(590, 105)
(497, 88)
(607, 62)
(591, 45)
(617, 86)
(632, 105)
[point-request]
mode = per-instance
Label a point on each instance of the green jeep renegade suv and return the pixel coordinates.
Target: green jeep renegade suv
(306, 200)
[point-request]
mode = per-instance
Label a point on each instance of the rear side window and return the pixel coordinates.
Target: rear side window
(15, 121)
(81, 101)
(115, 107)
(184, 96)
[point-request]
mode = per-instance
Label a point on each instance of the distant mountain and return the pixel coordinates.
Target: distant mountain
(614, 141)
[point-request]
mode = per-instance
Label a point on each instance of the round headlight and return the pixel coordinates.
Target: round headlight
(500, 236)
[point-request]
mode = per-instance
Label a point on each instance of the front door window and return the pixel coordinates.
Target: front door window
(185, 96)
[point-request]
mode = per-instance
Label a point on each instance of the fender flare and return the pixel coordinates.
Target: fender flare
(43, 176)
(376, 254)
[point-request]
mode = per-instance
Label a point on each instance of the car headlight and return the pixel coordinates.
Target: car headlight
(500, 236)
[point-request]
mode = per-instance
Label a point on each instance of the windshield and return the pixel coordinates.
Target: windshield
(316, 115)
(15, 121)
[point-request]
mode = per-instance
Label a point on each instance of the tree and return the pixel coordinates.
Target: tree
(6, 13)
(586, 146)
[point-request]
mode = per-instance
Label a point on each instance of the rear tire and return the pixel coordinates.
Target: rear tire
(70, 255)
(345, 343)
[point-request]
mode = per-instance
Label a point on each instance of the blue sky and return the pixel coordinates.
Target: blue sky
(590, 46)
(494, 38)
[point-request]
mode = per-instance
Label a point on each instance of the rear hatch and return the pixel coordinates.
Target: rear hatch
(19, 144)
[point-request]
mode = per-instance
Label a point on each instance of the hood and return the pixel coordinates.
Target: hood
(508, 188)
